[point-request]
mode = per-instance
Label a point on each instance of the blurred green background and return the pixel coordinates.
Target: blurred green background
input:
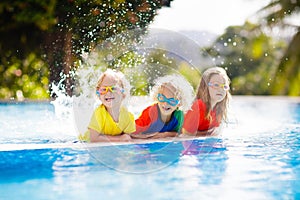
(42, 42)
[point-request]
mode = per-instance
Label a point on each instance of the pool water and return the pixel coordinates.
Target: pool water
(255, 157)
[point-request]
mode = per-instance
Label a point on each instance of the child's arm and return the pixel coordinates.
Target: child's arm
(143, 122)
(164, 135)
(186, 134)
(142, 136)
(155, 135)
(96, 137)
(209, 132)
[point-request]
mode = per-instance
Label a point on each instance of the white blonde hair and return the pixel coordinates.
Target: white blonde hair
(121, 81)
(183, 90)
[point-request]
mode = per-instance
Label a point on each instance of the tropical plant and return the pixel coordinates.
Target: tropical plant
(249, 56)
(57, 32)
(278, 13)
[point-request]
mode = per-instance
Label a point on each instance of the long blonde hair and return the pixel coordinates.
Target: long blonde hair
(203, 94)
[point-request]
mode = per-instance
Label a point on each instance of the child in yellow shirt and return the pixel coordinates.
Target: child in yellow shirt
(111, 121)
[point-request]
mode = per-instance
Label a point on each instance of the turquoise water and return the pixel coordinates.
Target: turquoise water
(256, 157)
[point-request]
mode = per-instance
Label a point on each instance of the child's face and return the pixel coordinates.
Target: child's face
(165, 107)
(217, 88)
(111, 96)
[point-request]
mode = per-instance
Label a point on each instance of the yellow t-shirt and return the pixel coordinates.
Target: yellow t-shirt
(103, 123)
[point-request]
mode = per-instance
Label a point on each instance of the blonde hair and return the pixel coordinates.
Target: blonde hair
(181, 88)
(203, 93)
(119, 77)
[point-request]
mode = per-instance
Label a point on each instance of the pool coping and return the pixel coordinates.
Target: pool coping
(86, 146)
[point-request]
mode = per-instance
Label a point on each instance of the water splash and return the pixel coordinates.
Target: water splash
(142, 57)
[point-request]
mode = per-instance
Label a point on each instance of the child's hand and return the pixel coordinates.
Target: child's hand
(125, 138)
(209, 132)
(142, 136)
(164, 135)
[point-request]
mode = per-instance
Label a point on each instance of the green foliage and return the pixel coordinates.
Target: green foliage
(19, 13)
(288, 73)
(258, 63)
(57, 32)
(278, 10)
(276, 14)
(141, 67)
(41, 42)
(250, 58)
(24, 78)
(191, 74)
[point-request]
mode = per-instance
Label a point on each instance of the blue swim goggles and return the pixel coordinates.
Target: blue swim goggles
(170, 101)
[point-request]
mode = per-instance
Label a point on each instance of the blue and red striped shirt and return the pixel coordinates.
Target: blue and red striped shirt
(150, 121)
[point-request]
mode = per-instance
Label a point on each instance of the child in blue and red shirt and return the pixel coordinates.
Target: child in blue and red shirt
(172, 96)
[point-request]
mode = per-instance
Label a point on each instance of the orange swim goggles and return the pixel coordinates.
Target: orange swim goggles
(218, 85)
(104, 89)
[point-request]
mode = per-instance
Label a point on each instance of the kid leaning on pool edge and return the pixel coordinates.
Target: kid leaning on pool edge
(210, 106)
(172, 96)
(111, 121)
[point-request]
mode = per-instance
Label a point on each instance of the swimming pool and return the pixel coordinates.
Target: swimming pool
(256, 157)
